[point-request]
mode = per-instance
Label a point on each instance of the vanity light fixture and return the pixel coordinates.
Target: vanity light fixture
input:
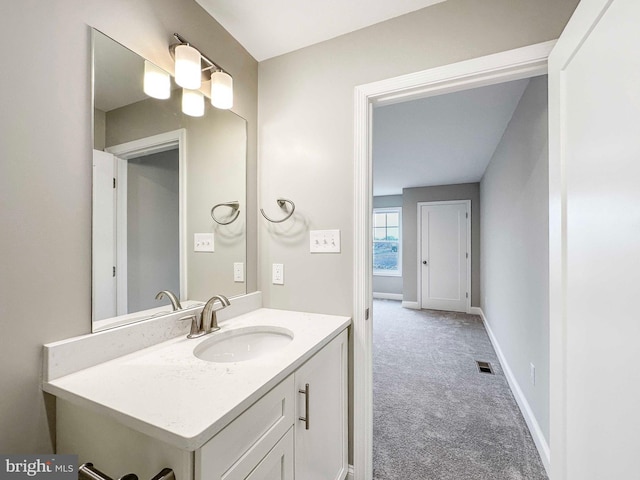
(221, 90)
(157, 82)
(188, 72)
(185, 70)
(192, 102)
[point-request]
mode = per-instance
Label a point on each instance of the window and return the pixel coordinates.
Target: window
(387, 240)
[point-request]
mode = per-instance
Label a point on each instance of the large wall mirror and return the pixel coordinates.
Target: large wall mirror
(157, 174)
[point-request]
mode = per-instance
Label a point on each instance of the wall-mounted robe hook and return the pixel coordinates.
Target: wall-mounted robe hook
(235, 206)
(282, 204)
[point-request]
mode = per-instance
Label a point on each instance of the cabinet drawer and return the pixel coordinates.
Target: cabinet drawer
(241, 445)
(278, 464)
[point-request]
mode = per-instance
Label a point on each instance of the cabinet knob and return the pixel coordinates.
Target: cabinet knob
(424, 262)
(305, 419)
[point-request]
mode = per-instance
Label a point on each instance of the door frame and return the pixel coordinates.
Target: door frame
(501, 67)
(138, 148)
(467, 203)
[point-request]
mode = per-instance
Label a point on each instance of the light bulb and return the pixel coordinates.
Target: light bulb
(188, 69)
(221, 90)
(157, 82)
(192, 102)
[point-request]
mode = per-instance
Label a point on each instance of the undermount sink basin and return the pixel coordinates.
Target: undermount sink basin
(243, 344)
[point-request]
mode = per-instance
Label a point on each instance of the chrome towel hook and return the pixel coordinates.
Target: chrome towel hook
(282, 204)
(235, 207)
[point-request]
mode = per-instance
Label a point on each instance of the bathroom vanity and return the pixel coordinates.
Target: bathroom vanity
(263, 398)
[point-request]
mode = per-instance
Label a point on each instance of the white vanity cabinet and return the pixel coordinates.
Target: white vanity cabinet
(267, 441)
(308, 409)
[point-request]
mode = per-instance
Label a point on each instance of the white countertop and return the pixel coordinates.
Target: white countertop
(167, 393)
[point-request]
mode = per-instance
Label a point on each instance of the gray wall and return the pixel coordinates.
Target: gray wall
(153, 235)
(381, 283)
(515, 249)
(411, 197)
(99, 129)
(45, 174)
(306, 126)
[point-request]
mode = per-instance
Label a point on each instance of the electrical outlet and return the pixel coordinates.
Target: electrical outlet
(324, 241)
(238, 272)
(532, 373)
(203, 242)
(278, 274)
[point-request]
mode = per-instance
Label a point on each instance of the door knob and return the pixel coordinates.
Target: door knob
(424, 262)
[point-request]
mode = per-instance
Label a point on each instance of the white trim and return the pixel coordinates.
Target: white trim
(500, 67)
(411, 305)
(156, 144)
(122, 232)
(474, 311)
(419, 205)
(387, 296)
(350, 473)
(529, 417)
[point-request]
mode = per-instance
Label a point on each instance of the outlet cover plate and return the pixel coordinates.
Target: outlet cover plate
(278, 274)
(203, 242)
(238, 272)
(324, 241)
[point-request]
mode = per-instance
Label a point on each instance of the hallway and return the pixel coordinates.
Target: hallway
(435, 417)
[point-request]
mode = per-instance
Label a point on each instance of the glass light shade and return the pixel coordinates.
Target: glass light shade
(192, 102)
(221, 90)
(188, 70)
(157, 82)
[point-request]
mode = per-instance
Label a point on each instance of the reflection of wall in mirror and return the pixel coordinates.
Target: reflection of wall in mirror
(216, 172)
(99, 129)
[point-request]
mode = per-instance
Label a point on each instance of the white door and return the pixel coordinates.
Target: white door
(104, 236)
(444, 256)
(594, 121)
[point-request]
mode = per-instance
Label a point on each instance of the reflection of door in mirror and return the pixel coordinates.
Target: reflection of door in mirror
(136, 233)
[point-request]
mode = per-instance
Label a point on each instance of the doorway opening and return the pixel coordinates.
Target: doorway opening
(438, 158)
(139, 199)
(518, 64)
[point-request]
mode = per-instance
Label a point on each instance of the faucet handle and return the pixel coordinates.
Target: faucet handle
(196, 326)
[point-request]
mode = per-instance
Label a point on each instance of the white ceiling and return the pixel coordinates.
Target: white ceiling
(267, 29)
(442, 140)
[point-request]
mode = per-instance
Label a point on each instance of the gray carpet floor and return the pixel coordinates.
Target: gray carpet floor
(435, 417)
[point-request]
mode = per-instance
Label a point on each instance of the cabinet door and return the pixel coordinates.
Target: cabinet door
(321, 439)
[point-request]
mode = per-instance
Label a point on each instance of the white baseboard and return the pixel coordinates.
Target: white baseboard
(525, 408)
(350, 473)
(475, 311)
(412, 305)
(387, 296)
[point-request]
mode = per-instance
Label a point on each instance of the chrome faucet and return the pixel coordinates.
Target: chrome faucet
(175, 303)
(206, 322)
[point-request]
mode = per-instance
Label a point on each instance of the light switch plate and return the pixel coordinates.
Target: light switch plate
(324, 241)
(238, 272)
(203, 242)
(278, 274)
